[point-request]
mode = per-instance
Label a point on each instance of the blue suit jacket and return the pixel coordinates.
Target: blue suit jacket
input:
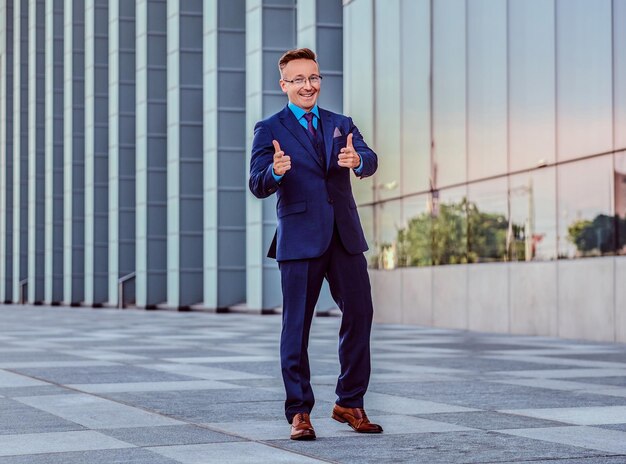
(312, 198)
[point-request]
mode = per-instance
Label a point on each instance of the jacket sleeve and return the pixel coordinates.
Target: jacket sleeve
(262, 183)
(368, 157)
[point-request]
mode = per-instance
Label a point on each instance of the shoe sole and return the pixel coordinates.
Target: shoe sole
(344, 421)
(304, 437)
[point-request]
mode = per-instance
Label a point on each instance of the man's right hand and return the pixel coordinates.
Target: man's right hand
(282, 162)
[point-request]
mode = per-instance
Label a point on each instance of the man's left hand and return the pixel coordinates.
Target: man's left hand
(348, 157)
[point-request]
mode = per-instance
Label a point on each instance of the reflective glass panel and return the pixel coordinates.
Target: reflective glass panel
(415, 234)
(387, 223)
(366, 214)
(449, 84)
(585, 214)
(487, 88)
(489, 230)
(532, 203)
(620, 201)
(415, 43)
(449, 226)
(584, 78)
(358, 81)
(388, 100)
(619, 78)
(532, 123)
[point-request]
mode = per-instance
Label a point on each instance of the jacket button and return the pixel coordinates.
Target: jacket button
(330, 200)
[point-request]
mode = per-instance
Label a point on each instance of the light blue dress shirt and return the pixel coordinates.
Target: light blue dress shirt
(299, 114)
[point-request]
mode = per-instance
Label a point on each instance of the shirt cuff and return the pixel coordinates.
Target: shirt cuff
(276, 177)
(359, 169)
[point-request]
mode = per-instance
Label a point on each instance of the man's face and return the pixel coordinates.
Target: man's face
(304, 95)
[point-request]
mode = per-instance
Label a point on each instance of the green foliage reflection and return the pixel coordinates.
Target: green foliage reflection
(601, 236)
(458, 233)
(453, 233)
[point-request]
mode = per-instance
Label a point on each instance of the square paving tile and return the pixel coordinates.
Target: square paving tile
(327, 427)
(94, 412)
(57, 442)
(201, 406)
(12, 380)
(578, 416)
(112, 456)
(489, 395)
(232, 453)
(435, 448)
(17, 418)
(490, 420)
(44, 390)
(169, 435)
(610, 441)
(102, 374)
(154, 386)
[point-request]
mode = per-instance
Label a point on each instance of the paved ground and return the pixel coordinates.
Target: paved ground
(107, 386)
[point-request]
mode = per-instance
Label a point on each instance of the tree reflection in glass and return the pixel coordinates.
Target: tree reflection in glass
(620, 199)
(532, 212)
(586, 220)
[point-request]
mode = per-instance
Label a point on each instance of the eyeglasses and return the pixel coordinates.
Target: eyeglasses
(314, 80)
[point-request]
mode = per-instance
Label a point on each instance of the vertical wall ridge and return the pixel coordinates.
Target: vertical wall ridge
(36, 160)
(151, 153)
(224, 153)
(20, 149)
(122, 156)
(6, 153)
(96, 152)
(265, 43)
(184, 159)
(74, 153)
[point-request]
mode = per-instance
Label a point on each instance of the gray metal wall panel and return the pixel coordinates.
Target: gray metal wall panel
(96, 152)
(224, 153)
(151, 153)
(6, 155)
(121, 146)
(53, 285)
(53, 152)
(74, 153)
(20, 147)
(184, 154)
(265, 43)
(36, 146)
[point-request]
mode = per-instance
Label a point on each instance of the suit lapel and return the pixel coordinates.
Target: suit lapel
(291, 123)
(328, 129)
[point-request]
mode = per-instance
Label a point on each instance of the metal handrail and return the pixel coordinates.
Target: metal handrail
(120, 289)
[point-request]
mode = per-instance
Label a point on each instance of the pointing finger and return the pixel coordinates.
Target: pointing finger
(349, 141)
(276, 145)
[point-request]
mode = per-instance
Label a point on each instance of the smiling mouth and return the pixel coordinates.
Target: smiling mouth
(307, 95)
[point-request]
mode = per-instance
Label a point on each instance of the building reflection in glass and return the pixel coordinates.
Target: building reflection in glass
(489, 231)
(585, 197)
(415, 239)
(532, 216)
(494, 151)
(620, 202)
(388, 217)
(432, 230)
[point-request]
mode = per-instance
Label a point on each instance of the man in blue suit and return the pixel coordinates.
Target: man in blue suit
(305, 155)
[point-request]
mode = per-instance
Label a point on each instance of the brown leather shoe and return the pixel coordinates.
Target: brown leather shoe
(356, 418)
(301, 428)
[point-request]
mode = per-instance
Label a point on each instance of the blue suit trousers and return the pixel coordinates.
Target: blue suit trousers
(349, 284)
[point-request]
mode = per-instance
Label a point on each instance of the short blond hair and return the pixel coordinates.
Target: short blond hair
(296, 54)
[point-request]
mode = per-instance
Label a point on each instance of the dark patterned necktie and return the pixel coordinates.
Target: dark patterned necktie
(309, 123)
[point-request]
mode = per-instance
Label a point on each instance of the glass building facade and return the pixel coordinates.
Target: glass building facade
(502, 135)
(500, 199)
